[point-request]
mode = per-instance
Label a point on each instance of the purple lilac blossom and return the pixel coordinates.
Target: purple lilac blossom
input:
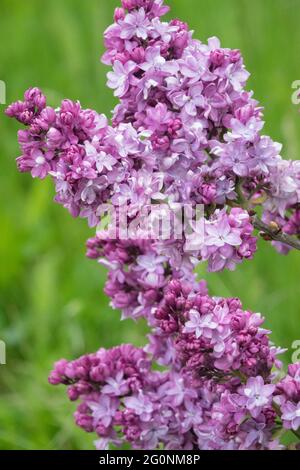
(185, 131)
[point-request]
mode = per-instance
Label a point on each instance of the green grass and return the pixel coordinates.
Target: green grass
(51, 302)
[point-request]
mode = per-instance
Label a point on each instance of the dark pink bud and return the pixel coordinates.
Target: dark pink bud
(129, 4)
(232, 428)
(85, 422)
(170, 299)
(180, 304)
(122, 300)
(26, 116)
(48, 115)
(217, 57)
(175, 286)
(67, 118)
(138, 55)
(180, 24)
(180, 42)
(15, 109)
(34, 97)
(293, 369)
(245, 113)
(119, 14)
(150, 295)
(54, 138)
(73, 393)
(121, 57)
(234, 56)
(54, 378)
(161, 143)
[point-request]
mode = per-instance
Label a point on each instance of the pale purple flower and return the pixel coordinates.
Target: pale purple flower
(235, 156)
(119, 79)
(285, 186)
(151, 268)
(189, 101)
(91, 189)
(104, 410)
(162, 30)
(193, 66)
(291, 415)
(174, 389)
(258, 394)
(37, 163)
(126, 140)
(104, 443)
(102, 160)
(154, 59)
(247, 132)
(192, 416)
(141, 405)
(200, 324)
(255, 436)
(265, 153)
(237, 75)
(219, 233)
(158, 117)
(135, 24)
(153, 434)
(116, 386)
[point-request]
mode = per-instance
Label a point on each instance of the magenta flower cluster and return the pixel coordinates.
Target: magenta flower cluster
(185, 132)
(218, 392)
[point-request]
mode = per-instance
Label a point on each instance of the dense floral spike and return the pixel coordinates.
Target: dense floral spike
(215, 334)
(228, 400)
(206, 129)
(185, 133)
(138, 274)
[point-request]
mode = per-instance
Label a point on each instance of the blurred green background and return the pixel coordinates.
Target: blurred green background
(51, 302)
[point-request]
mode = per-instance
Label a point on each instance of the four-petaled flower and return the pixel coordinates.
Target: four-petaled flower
(104, 410)
(135, 24)
(219, 233)
(258, 394)
(200, 324)
(119, 79)
(291, 415)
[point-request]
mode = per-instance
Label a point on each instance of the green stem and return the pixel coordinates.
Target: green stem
(276, 235)
(296, 433)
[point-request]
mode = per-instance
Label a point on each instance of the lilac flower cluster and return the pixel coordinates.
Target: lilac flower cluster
(288, 397)
(203, 122)
(228, 239)
(185, 132)
(219, 393)
(215, 334)
(137, 275)
(84, 155)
